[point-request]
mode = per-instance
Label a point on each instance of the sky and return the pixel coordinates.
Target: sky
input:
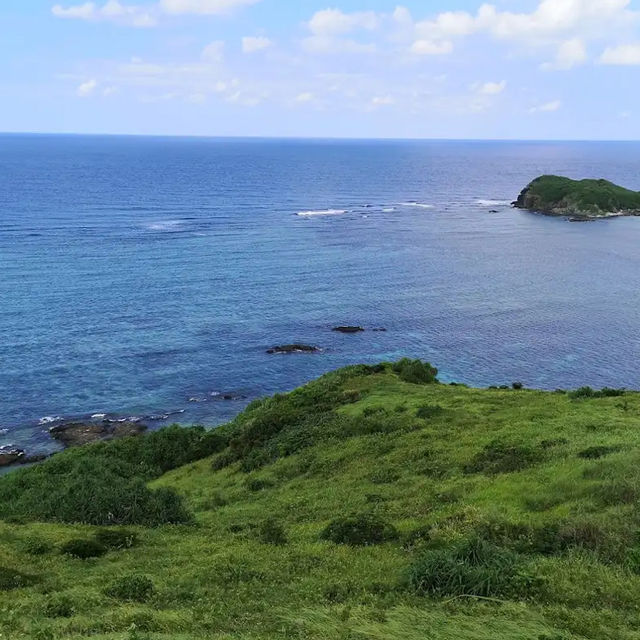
(509, 69)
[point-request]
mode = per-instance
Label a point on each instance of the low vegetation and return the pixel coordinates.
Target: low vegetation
(374, 503)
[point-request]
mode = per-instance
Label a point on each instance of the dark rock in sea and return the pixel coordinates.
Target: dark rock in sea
(231, 396)
(74, 434)
(379, 329)
(348, 329)
(294, 348)
(493, 211)
(10, 455)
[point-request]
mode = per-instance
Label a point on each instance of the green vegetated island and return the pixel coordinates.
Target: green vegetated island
(580, 199)
(371, 504)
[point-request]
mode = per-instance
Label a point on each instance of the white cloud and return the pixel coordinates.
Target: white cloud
(431, 47)
(547, 107)
(251, 44)
(379, 101)
(203, 7)
(333, 22)
(112, 10)
(492, 88)
(213, 52)
(87, 88)
(626, 54)
(307, 96)
(570, 53)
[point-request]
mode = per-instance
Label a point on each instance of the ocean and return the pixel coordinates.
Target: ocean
(147, 276)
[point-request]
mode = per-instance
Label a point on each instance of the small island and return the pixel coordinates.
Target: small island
(579, 199)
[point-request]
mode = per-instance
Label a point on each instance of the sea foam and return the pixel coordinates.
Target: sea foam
(419, 205)
(493, 203)
(322, 212)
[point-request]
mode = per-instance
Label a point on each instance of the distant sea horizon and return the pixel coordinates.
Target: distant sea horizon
(146, 276)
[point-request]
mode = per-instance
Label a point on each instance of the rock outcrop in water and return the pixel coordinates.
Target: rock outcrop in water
(10, 455)
(348, 329)
(294, 348)
(579, 199)
(74, 434)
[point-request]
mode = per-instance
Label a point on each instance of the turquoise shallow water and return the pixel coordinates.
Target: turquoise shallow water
(139, 276)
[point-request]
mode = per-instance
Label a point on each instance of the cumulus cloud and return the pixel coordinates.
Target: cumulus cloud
(203, 7)
(492, 88)
(547, 107)
(87, 88)
(381, 101)
(626, 54)
(431, 47)
(251, 44)
(213, 52)
(330, 27)
(112, 10)
(570, 53)
(145, 15)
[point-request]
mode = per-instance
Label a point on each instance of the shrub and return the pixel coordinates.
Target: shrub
(14, 579)
(517, 386)
(384, 476)
(502, 457)
(588, 392)
(271, 532)
(359, 530)
(593, 453)
(428, 411)
(83, 549)
(134, 588)
(258, 484)
(36, 546)
(117, 538)
(415, 371)
(474, 567)
(59, 606)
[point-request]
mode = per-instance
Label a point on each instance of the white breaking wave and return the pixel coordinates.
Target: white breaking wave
(322, 212)
(166, 225)
(388, 209)
(420, 205)
(97, 416)
(48, 419)
(493, 203)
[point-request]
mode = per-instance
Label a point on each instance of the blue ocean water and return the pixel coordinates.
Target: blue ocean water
(139, 276)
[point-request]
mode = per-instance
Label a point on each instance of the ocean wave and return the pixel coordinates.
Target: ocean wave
(49, 419)
(493, 203)
(168, 226)
(419, 205)
(98, 416)
(388, 209)
(322, 212)
(3, 432)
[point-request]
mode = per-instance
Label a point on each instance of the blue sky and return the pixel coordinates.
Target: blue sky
(547, 69)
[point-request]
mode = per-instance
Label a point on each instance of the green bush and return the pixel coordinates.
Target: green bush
(475, 568)
(36, 546)
(427, 411)
(588, 392)
(415, 371)
(83, 549)
(258, 484)
(133, 588)
(517, 386)
(114, 538)
(502, 457)
(59, 605)
(14, 579)
(271, 532)
(593, 453)
(359, 530)
(106, 483)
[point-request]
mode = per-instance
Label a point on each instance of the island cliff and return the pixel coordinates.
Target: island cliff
(580, 199)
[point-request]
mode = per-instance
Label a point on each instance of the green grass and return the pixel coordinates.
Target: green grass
(503, 527)
(563, 196)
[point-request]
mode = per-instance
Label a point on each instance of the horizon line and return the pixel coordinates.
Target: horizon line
(306, 138)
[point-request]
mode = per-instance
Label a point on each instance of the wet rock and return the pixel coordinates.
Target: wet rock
(10, 455)
(347, 329)
(74, 434)
(294, 348)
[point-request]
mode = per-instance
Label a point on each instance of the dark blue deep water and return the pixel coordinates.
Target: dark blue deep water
(139, 273)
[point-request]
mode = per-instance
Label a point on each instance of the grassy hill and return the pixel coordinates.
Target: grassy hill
(373, 503)
(557, 195)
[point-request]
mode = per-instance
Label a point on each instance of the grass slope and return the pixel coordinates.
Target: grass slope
(490, 514)
(557, 195)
